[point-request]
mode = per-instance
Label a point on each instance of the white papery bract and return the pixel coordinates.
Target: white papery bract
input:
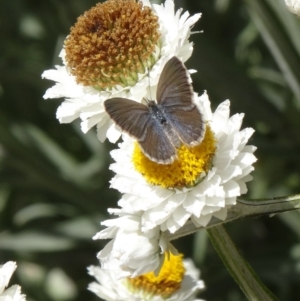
(217, 191)
(86, 102)
(131, 252)
(293, 6)
(109, 288)
(12, 293)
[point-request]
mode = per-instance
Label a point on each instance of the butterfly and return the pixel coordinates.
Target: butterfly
(161, 127)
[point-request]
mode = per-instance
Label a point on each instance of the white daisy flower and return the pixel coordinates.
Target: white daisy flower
(293, 6)
(12, 293)
(203, 182)
(130, 252)
(178, 280)
(116, 49)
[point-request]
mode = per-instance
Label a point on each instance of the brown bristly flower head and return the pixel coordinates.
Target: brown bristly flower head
(112, 43)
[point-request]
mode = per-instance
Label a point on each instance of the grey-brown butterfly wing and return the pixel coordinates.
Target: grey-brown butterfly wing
(173, 87)
(175, 96)
(132, 117)
(156, 145)
(188, 124)
(135, 119)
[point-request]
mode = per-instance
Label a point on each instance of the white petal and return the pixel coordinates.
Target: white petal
(245, 159)
(232, 171)
(181, 216)
(113, 133)
(6, 271)
(235, 123)
(13, 293)
(66, 85)
(246, 134)
(161, 212)
(220, 117)
(130, 252)
(102, 130)
(232, 189)
(194, 205)
(293, 6)
(203, 104)
(97, 119)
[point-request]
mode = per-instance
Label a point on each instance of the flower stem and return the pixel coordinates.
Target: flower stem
(239, 269)
(245, 209)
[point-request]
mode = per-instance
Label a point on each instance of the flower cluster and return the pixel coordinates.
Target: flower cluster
(118, 50)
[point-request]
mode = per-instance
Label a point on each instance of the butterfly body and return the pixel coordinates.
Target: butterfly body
(162, 117)
(161, 127)
(157, 112)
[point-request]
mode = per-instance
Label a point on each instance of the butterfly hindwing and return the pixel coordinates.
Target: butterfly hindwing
(156, 145)
(188, 124)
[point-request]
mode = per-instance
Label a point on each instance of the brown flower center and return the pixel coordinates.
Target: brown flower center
(111, 43)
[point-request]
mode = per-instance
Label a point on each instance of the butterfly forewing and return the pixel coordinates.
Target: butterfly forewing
(156, 145)
(131, 116)
(173, 87)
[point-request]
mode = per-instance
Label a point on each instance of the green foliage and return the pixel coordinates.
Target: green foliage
(54, 180)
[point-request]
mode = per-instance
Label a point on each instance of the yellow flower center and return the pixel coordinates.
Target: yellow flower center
(191, 165)
(164, 284)
(111, 43)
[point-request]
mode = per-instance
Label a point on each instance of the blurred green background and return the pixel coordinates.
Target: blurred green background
(54, 188)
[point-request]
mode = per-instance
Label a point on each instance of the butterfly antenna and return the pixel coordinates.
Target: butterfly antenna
(146, 99)
(149, 87)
